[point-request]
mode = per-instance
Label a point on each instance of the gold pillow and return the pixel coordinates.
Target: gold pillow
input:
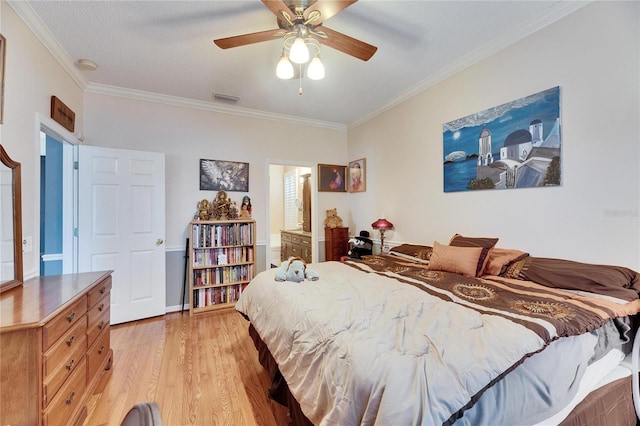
(459, 260)
(484, 243)
(500, 259)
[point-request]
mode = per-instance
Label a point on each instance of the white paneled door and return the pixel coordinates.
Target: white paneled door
(121, 227)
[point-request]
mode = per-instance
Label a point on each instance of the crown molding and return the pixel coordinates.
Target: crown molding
(140, 95)
(545, 18)
(24, 10)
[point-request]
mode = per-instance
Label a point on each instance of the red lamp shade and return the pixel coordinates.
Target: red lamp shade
(382, 224)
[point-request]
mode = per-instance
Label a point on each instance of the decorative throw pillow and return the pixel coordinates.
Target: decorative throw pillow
(485, 244)
(499, 260)
(459, 260)
(414, 252)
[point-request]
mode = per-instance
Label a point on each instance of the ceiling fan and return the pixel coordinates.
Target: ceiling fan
(304, 19)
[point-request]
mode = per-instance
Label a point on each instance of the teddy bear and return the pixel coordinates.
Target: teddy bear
(333, 220)
(295, 269)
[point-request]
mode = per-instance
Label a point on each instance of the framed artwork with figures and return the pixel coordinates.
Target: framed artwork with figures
(332, 178)
(357, 175)
(216, 175)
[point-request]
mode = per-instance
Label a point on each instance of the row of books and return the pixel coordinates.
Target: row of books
(222, 256)
(225, 274)
(209, 235)
(217, 295)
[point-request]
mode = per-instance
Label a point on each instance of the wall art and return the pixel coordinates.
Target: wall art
(216, 175)
(332, 178)
(513, 145)
(357, 175)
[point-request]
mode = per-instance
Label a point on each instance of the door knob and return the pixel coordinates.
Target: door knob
(159, 241)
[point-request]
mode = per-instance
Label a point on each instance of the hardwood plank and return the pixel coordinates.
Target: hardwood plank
(200, 370)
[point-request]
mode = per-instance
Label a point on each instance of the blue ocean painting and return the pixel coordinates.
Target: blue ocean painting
(521, 142)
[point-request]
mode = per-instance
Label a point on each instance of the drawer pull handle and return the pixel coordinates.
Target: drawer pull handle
(101, 350)
(103, 289)
(70, 398)
(71, 316)
(101, 324)
(101, 307)
(70, 365)
(71, 340)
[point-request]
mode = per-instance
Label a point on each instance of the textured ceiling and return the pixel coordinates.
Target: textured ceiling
(166, 48)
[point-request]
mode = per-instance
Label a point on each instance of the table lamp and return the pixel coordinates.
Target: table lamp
(382, 225)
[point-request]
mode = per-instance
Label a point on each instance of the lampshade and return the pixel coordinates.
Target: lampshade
(315, 70)
(382, 224)
(284, 70)
(299, 51)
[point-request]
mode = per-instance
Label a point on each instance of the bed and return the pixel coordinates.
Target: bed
(449, 334)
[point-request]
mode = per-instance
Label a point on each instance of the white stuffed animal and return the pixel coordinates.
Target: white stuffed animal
(295, 269)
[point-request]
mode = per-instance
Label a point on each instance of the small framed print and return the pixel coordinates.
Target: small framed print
(332, 178)
(357, 175)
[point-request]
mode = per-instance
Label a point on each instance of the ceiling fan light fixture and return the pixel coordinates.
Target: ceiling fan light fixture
(315, 70)
(299, 53)
(284, 70)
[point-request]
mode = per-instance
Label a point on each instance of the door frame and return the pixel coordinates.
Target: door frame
(70, 201)
(314, 205)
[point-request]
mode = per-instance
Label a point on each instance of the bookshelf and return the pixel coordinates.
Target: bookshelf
(221, 262)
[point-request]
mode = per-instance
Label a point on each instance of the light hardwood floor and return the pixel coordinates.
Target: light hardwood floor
(200, 370)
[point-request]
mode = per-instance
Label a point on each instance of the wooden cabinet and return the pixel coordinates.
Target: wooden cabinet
(222, 263)
(54, 347)
(336, 243)
(295, 243)
(306, 204)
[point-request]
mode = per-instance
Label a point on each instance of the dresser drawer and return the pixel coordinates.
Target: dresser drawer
(295, 239)
(59, 364)
(61, 323)
(99, 291)
(97, 354)
(98, 326)
(66, 401)
(285, 236)
(97, 311)
(305, 241)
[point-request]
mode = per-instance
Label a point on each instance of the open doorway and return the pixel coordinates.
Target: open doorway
(57, 206)
(290, 207)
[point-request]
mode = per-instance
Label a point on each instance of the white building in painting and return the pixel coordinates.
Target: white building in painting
(484, 148)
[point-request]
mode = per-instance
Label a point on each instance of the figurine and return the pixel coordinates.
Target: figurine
(246, 204)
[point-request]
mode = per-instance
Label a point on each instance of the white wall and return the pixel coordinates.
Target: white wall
(32, 76)
(593, 55)
(186, 135)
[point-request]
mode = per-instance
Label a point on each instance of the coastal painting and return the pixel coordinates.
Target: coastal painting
(513, 145)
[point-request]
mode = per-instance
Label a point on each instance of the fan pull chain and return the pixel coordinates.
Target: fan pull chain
(300, 78)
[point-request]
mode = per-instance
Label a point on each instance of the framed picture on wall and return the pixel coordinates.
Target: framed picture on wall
(332, 178)
(216, 175)
(357, 175)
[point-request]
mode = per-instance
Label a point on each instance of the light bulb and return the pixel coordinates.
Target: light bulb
(299, 51)
(284, 70)
(315, 70)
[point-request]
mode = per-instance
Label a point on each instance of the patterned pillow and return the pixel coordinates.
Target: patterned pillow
(485, 244)
(417, 253)
(499, 260)
(459, 260)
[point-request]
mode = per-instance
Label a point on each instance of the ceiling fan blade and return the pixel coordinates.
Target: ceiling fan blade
(327, 9)
(279, 7)
(344, 43)
(243, 40)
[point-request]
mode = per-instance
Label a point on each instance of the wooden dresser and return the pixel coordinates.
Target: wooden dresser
(54, 347)
(295, 243)
(336, 243)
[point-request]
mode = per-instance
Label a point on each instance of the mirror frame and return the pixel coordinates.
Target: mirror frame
(17, 222)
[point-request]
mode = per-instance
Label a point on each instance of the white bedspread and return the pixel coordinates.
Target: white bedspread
(360, 348)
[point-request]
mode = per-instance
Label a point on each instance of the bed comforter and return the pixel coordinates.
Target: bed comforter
(367, 340)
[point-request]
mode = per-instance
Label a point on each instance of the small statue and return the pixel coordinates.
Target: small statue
(245, 208)
(220, 208)
(203, 209)
(233, 210)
